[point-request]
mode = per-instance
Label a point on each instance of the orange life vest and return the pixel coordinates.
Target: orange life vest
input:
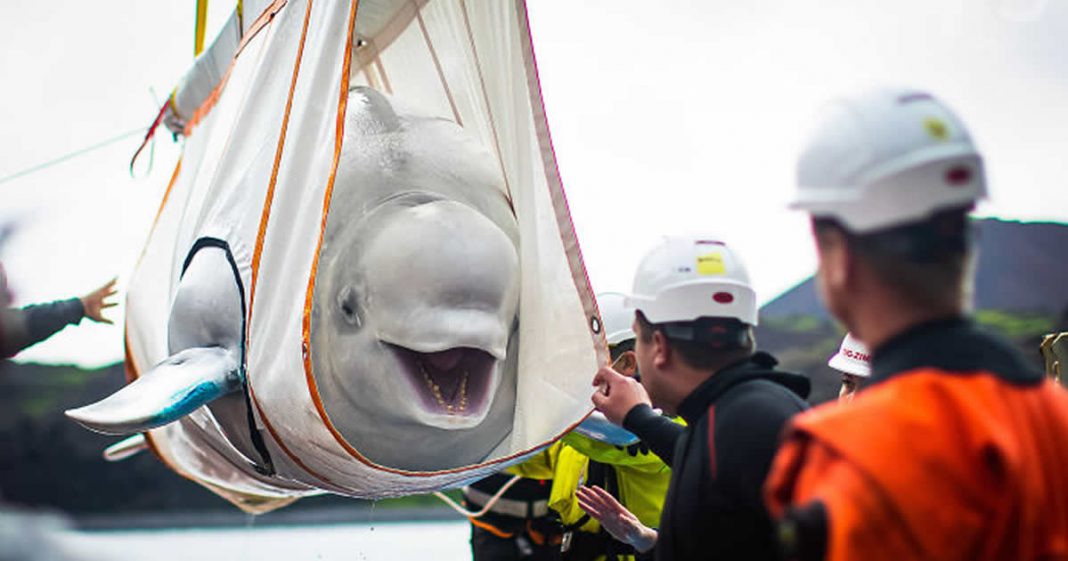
(933, 463)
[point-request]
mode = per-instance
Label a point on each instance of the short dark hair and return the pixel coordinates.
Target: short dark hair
(733, 345)
(924, 262)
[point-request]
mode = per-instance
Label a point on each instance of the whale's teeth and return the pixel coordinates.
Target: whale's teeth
(435, 390)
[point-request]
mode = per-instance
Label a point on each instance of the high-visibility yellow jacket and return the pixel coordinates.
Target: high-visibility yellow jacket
(642, 478)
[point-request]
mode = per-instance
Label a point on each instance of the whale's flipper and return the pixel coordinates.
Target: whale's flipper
(126, 448)
(174, 388)
(599, 428)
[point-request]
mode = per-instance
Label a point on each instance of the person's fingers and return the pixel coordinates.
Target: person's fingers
(107, 305)
(590, 509)
(596, 510)
(599, 399)
(610, 502)
(606, 375)
(597, 490)
(592, 496)
(585, 499)
(106, 320)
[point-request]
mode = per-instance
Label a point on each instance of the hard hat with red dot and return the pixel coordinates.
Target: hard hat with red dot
(852, 358)
(616, 316)
(688, 277)
(885, 158)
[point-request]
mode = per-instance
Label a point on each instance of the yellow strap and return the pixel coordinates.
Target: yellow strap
(240, 17)
(201, 23)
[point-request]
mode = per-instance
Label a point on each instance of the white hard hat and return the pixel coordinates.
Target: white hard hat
(687, 277)
(852, 358)
(616, 317)
(885, 158)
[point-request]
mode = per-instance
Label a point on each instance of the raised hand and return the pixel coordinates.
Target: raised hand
(97, 301)
(617, 394)
(615, 518)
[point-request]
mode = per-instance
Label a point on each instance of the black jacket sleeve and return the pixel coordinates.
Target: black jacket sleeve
(658, 432)
(35, 323)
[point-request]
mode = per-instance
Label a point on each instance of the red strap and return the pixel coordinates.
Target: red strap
(712, 441)
(151, 132)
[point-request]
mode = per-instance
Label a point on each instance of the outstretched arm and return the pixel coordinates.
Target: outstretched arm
(615, 518)
(24, 327)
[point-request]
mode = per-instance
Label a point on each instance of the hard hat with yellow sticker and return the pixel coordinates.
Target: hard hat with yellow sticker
(688, 277)
(886, 158)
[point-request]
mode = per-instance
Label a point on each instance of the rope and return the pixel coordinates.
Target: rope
(74, 154)
(486, 508)
(200, 27)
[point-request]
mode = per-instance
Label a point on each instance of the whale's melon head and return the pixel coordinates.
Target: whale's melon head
(415, 310)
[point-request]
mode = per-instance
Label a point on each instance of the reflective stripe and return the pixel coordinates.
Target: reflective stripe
(509, 507)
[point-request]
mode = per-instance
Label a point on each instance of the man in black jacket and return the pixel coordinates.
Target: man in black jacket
(694, 312)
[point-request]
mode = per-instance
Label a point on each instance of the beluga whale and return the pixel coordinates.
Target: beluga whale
(418, 304)
(414, 311)
(362, 278)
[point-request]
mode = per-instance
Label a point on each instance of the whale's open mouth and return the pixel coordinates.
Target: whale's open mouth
(454, 382)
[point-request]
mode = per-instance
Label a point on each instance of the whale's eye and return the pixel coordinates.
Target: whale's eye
(349, 306)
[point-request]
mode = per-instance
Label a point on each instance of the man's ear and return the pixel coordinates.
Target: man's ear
(627, 364)
(661, 350)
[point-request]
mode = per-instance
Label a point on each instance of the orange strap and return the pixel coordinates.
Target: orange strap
(491, 528)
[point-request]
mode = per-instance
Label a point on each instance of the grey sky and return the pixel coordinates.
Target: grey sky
(681, 118)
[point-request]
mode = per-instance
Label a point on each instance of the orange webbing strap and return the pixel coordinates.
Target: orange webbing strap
(542, 539)
(201, 25)
(491, 528)
(535, 536)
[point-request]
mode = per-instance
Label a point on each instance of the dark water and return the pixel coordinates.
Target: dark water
(385, 541)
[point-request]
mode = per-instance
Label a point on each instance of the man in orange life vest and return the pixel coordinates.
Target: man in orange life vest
(956, 448)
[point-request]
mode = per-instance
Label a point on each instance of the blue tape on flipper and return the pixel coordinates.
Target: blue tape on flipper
(599, 428)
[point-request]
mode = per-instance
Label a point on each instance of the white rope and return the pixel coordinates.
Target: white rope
(486, 508)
